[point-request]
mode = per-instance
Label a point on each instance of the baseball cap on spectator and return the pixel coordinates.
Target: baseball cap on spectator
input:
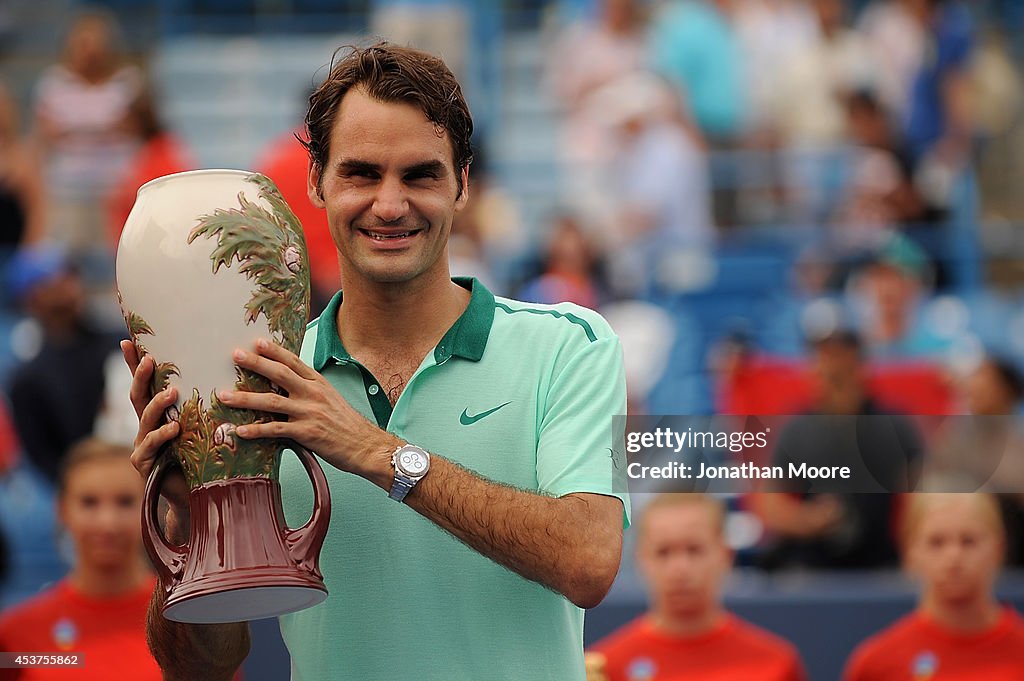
(900, 253)
(30, 267)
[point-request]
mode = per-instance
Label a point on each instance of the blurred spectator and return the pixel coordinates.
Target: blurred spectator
(56, 395)
(22, 195)
(99, 609)
(161, 154)
(568, 268)
(286, 162)
(896, 37)
(868, 212)
(939, 117)
(592, 53)
(886, 293)
(81, 109)
(985, 450)
(585, 58)
(696, 47)
(953, 544)
(772, 33)
(845, 427)
(683, 556)
(883, 189)
(660, 167)
(998, 102)
(488, 240)
(808, 103)
(657, 189)
(440, 27)
(995, 388)
(998, 92)
(940, 127)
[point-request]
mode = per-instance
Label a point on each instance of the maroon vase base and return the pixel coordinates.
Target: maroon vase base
(240, 564)
(216, 605)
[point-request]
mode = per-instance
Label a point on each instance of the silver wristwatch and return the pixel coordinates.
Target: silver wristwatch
(411, 465)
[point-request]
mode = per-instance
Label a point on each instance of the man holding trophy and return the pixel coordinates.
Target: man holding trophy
(476, 508)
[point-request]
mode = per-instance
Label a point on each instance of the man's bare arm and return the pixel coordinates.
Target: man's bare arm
(570, 544)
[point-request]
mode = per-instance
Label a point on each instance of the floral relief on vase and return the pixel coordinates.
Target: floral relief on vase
(268, 247)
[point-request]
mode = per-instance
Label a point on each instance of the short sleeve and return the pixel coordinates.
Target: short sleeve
(576, 449)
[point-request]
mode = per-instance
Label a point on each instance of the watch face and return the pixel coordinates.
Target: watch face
(412, 462)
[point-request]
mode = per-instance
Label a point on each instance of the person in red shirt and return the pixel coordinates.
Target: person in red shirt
(161, 153)
(687, 634)
(286, 162)
(99, 609)
(954, 545)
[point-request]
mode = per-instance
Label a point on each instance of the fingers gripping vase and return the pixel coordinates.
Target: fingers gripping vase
(209, 261)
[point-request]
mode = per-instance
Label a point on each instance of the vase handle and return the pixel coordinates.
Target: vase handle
(304, 543)
(168, 559)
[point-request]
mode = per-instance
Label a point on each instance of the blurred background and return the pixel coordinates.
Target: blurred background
(733, 183)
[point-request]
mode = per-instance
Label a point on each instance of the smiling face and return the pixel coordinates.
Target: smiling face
(390, 189)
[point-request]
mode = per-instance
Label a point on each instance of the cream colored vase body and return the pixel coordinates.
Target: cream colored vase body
(209, 261)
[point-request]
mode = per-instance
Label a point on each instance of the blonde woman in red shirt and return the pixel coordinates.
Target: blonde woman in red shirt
(99, 609)
(688, 635)
(954, 544)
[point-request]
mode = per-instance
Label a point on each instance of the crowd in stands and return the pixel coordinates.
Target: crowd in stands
(649, 90)
(692, 133)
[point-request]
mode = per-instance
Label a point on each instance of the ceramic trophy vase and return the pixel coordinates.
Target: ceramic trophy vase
(210, 261)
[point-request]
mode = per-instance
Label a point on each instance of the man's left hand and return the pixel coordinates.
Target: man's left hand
(319, 418)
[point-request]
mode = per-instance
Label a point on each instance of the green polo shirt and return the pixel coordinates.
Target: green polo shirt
(521, 394)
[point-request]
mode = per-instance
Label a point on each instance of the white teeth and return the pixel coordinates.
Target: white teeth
(383, 237)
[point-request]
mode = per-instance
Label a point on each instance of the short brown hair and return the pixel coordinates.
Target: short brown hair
(85, 451)
(715, 507)
(920, 505)
(390, 73)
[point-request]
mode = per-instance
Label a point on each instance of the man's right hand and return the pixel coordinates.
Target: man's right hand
(152, 434)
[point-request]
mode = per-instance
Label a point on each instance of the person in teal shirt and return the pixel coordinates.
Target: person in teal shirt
(478, 502)
(696, 48)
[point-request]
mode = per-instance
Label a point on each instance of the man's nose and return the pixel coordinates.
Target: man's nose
(390, 203)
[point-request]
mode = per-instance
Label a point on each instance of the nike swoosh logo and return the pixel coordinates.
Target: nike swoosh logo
(468, 420)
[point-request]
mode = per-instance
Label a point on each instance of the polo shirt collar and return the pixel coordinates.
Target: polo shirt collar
(466, 338)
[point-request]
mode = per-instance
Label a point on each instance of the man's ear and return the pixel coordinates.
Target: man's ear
(313, 187)
(463, 197)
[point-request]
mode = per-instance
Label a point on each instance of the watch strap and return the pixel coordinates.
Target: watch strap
(401, 486)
